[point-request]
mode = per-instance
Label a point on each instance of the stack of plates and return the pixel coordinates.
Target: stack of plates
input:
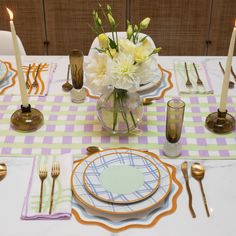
(3, 71)
(121, 184)
(149, 89)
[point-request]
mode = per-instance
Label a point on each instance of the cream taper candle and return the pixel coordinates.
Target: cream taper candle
(225, 86)
(20, 73)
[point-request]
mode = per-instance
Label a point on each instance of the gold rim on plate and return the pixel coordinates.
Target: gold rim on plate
(121, 202)
(92, 207)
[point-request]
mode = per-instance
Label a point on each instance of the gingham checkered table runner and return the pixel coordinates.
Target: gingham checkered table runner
(72, 127)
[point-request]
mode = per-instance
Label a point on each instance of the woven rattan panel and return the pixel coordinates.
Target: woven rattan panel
(222, 23)
(67, 23)
(180, 27)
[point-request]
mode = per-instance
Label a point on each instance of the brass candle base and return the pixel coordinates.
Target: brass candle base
(26, 119)
(220, 122)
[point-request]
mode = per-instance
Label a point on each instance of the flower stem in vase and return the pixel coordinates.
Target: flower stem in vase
(115, 113)
(131, 114)
(121, 96)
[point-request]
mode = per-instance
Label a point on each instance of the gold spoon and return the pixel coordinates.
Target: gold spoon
(147, 101)
(67, 86)
(3, 171)
(94, 149)
(198, 173)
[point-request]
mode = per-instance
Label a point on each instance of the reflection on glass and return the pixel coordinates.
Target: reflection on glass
(76, 64)
(174, 122)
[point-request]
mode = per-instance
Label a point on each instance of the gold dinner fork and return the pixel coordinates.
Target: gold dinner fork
(42, 175)
(55, 173)
(232, 72)
(27, 77)
(199, 81)
(188, 82)
(35, 83)
(231, 83)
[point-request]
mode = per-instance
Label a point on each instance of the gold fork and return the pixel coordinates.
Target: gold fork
(232, 72)
(27, 77)
(188, 82)
(199, 81)
(55, 173)
(35, 83)
(231, 83)
(42, 175)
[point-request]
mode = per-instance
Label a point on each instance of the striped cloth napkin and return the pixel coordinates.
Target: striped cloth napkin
(62, 191)
(181, 78)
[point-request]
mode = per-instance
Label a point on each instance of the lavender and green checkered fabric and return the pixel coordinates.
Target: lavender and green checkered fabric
(72, 127)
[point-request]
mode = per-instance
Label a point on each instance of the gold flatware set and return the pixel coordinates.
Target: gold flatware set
(197, 172)
(43, 173)
(35, 83)
(188, 83)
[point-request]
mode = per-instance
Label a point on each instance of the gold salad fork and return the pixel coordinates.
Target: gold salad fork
(42, 175)
(55, 173)
(188, 82)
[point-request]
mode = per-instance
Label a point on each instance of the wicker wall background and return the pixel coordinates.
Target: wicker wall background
(183, 27)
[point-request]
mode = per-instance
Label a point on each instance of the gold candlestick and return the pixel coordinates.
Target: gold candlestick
(26, 119)
(220, 122)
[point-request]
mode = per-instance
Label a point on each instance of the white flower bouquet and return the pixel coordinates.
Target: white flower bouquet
(123, 63)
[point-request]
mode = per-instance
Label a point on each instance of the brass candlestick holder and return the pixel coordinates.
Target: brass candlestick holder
(220, 122)
(26, 119)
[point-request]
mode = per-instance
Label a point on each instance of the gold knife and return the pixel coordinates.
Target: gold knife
(184, 168)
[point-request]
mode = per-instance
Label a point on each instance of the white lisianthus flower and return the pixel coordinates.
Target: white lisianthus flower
(126, 46)
(96, 72)
(103, 40)
(111, 52)
(123, 72)
(148, 71)
(143, 51)
(141, 54)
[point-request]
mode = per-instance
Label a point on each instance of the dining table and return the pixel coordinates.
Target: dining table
(69, 128)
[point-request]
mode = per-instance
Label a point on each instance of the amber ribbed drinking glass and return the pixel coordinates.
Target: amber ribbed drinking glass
(174, 122)
(76, 65)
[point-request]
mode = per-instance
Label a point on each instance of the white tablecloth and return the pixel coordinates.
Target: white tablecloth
(219, 182)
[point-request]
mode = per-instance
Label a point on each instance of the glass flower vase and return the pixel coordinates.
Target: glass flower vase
(119, 110)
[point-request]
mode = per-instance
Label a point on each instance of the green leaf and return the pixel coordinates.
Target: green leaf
(100, 50)
(143, 39)
(112, 44)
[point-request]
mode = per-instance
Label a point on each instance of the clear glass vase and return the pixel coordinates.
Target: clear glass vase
(119, 111)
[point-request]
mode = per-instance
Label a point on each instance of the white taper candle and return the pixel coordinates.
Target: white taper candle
(20, 73)
(225, 86)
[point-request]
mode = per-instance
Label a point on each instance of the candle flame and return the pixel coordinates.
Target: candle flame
(10, 13)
